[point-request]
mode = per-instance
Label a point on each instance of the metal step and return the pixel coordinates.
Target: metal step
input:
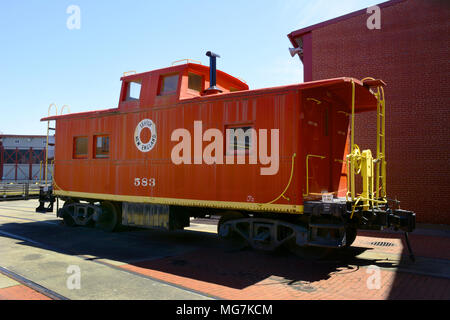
(327, 226)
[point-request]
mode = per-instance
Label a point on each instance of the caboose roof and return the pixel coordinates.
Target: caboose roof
(339, 88)
(178, 68)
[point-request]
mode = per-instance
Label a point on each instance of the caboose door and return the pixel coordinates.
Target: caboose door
(316, 145)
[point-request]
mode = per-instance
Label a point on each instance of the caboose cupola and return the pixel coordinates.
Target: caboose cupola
(169, 86)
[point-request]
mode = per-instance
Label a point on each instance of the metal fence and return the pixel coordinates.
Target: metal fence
(14, 191)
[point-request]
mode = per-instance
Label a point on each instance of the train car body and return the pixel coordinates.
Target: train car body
(172, 150)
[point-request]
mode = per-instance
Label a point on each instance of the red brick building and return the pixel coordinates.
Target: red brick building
(410, 52)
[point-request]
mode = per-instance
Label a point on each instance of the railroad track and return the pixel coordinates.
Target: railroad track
(27, 219)
(32, 285)
(42, 245)
(105, 261)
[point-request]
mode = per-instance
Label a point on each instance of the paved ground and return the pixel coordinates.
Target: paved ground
(13, 290)
(194, 264)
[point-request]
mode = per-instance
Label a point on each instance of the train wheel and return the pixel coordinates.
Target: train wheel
(228, 216)
(67, 218)
(233, 240)
(66, 214)
(109, 219)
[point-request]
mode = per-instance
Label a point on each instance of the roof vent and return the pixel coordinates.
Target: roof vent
(213, 89)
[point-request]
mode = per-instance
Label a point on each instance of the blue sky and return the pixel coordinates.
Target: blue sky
(42, 61)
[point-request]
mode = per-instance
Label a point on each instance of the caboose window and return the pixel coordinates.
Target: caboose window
(101, 146)
(133, 91)
(168, 84)
(240, 139)
(195, 82)
(80, 149)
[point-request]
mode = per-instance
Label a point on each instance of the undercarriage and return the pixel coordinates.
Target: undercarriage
(323, 225)
(326, 225)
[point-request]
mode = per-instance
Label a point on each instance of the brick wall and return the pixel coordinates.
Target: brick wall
(411, 54)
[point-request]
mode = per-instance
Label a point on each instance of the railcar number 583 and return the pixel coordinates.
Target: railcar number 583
(144, 182)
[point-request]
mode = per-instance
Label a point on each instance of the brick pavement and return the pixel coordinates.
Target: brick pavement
(255, 275)
(21, 292)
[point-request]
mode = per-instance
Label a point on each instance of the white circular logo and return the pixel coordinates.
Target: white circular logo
(145, 146)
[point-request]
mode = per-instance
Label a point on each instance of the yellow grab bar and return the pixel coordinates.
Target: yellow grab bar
(50, 107)
(187, 61)
(64, 106)
(313, 99)
(288, 184)
(307, 171)
(127, 73)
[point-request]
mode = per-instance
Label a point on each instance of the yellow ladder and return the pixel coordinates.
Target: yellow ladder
(380, 191)
(48, 143)
(51, 143)
(362, 162)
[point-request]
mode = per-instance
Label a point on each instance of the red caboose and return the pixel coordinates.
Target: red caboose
(188, 141)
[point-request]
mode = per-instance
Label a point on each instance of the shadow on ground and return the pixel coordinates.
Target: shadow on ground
(195, 255)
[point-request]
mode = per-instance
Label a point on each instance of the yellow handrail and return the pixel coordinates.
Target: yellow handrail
(40, 172)
(288, 184)
(187, 61)
(62, 109)
(354, 207)
(46, 144)
(352, 143)
(126, 73)
(313, 99)
(50, 107)
(345, 113)
(307, 171)
(383, 144)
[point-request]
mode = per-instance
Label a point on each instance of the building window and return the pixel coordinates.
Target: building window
(195, 82)
(240, 139)
(23, 156)
(38, 156)
(101, 146)
(133, 91)
(168, 84)
(80, 147)
(9, 156)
